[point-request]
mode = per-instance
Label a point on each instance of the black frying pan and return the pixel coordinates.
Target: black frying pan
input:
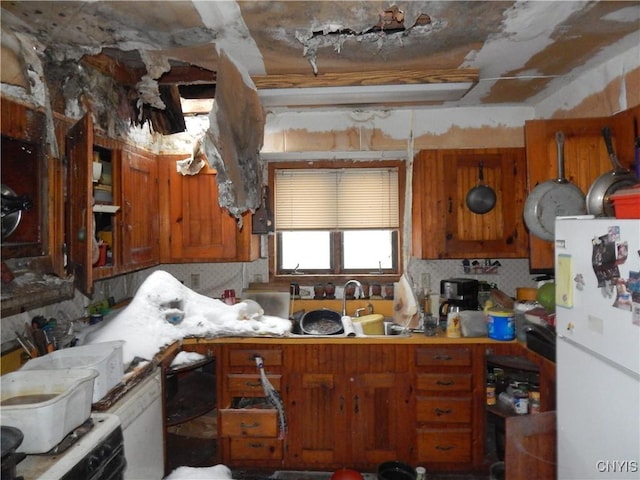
(482, 198)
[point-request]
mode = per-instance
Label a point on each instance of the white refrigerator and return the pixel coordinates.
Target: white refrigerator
(597, 269)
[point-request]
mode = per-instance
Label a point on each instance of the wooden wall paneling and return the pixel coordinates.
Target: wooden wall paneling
(585, 158)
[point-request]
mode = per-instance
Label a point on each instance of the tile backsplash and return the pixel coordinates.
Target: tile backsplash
(211, 279)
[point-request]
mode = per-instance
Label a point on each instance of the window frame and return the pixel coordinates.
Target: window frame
(313, 277)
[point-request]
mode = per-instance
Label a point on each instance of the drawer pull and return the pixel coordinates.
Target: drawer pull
(442, 357)
(445, 383)
(252, 384)
(440, 411)
(256, 445)
(444, 448)
(249, 425)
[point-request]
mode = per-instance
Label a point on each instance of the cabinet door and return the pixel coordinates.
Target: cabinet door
(318, 420)
(79, 145)
(194, 228)
(140, 246)
(444, 226)
(381, 424)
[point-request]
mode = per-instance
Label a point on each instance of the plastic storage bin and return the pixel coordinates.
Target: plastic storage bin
(626, 202)
(45, 405)
(105, 358)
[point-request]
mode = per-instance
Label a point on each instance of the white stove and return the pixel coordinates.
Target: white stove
(97, 453)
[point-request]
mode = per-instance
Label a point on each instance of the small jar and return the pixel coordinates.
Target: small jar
(534, 399)
(521, 402)
(491, 389)
(388, 291)
(330, 291)
(421, 473)
(350, 291)
(229, 297)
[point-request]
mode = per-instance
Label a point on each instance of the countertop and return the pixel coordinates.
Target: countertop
(413, 338)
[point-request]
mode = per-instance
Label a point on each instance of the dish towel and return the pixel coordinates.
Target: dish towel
(273, 397)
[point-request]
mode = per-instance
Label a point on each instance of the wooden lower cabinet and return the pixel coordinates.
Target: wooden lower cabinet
(354, 406)
(448, 412)
(356, 420)
(248, 425)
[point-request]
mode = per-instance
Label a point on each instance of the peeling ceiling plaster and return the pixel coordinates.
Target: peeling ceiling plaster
(520, 47)
(535, 57)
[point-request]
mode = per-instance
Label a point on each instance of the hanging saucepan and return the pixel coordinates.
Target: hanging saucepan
(598, 197)
(482, 198)
(551, 199)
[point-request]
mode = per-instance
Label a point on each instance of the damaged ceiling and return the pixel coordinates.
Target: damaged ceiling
(153, 55)
(520, 48)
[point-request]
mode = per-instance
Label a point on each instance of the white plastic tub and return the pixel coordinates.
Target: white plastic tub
(53, 403)
(105, 358)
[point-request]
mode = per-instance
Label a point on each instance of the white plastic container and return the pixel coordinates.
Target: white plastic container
(105, 358)
(54, 403)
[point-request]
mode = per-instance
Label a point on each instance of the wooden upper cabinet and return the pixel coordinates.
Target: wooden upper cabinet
(585, 159)
(444, 226)
(194, 228)
(140, 233)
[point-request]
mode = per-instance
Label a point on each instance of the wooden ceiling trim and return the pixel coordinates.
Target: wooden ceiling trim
(379, 77)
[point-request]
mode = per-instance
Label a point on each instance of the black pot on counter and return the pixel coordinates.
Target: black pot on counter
(321, 322)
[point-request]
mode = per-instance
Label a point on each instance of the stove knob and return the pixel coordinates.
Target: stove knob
(93, 463)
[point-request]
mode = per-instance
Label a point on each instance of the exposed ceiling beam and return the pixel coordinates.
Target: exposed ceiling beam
(127, 74)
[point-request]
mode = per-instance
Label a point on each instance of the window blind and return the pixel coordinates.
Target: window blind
(336, 199)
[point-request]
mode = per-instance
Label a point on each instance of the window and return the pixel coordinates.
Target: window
(337, 220)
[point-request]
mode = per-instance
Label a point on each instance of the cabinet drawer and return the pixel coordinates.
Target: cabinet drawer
(452, 357)
(248, 422)
(255, 448)
(248, 385)
(440, 445)
(246, 357)
(442, 382)
(443, 410)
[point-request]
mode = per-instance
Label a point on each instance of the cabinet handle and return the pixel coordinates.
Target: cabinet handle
(341, 404)
(445, 383)
(440, 411)
(356, 406)
(256, 445)
(249, 425)
(450, 205)
(444, 448)
(442, 357)
(252, 384)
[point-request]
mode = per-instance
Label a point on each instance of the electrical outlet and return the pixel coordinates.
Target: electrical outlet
(195, 281)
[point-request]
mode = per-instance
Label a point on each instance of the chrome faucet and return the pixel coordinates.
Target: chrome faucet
(344, 296)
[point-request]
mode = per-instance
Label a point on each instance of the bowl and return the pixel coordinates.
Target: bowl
(395, 470)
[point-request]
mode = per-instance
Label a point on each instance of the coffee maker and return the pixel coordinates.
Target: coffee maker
(458, 294)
